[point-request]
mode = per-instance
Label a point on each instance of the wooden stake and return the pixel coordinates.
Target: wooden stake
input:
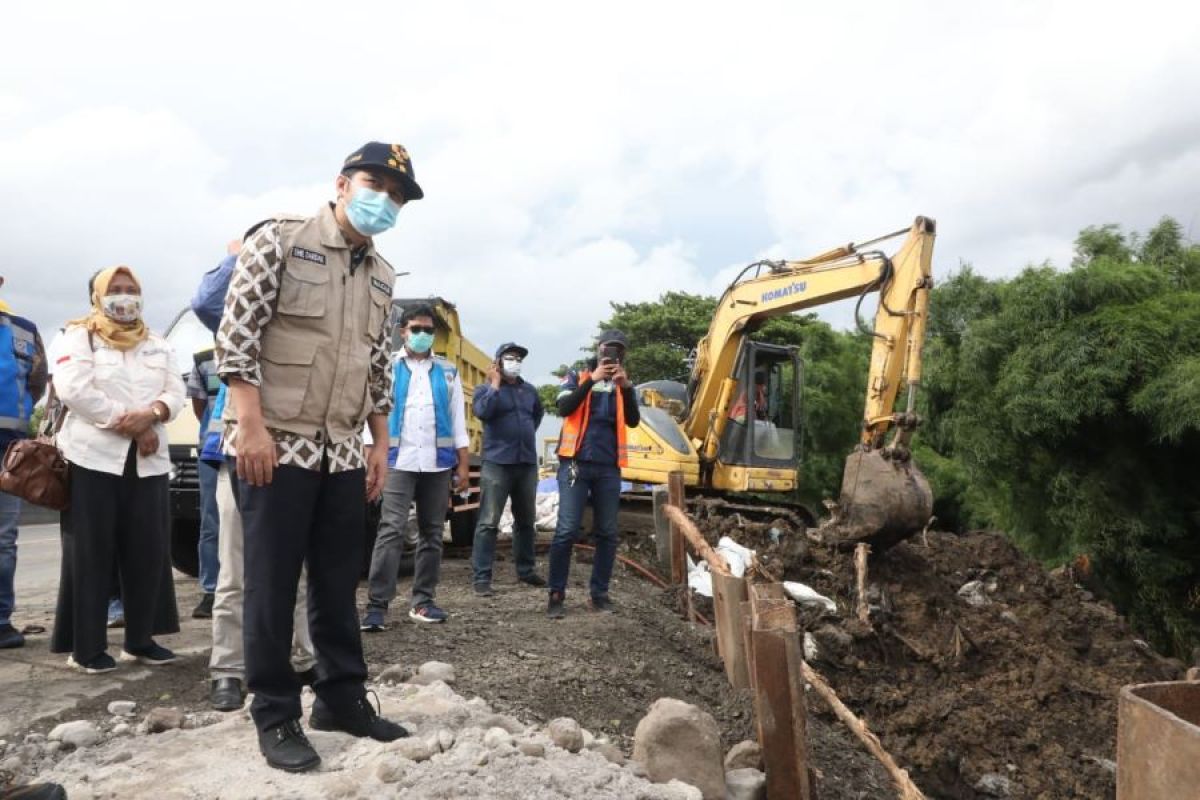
(860, 571)
(779, 708)
(728, 594)
(680, 520)
(676, 501)
(904, 786)
(747, 609)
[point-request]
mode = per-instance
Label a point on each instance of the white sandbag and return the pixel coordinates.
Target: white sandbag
(700, 582)
(808, 596)
(737, 557)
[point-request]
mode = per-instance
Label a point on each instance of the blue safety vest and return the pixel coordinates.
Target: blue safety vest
(210, 450)
(18, 350)
(441, 376)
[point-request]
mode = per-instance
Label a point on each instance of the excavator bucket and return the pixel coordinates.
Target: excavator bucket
(883, 501)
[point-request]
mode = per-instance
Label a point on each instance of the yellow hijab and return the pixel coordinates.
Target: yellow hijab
(118, 335)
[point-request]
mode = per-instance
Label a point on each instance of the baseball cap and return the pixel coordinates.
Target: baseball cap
(511, 347)
(390, 158)
(612, 336)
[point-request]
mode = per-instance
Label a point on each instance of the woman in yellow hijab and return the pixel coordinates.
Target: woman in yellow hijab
(120, 384)
(116, 315)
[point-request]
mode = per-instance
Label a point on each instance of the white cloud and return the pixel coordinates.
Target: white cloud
(577, 156)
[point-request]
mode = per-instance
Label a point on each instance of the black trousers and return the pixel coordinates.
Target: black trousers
(114, 518)
(302, 516)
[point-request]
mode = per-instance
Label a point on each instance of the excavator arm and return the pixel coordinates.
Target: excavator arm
(903, 282)
(884, 497)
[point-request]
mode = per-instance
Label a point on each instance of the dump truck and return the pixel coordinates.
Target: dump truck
(188, 336)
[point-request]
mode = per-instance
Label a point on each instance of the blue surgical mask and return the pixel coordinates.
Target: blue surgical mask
(371, 212)
(420, 342)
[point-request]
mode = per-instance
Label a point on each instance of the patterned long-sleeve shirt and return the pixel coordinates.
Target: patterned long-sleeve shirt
(249, 307)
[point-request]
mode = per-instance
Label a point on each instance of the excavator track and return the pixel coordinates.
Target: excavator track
(748, 507)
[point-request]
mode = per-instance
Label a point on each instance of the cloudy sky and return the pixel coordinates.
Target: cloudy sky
(572, 157)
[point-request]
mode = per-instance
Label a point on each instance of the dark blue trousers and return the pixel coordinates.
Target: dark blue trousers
(599, 484)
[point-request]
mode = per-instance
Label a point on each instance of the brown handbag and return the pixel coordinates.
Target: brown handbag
(34, 469)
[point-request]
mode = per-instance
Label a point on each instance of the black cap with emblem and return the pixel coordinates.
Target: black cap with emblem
(390, 158)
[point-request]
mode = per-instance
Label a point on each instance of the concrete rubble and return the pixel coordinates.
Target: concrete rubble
(459, 748)
(746, 784)
(744, 755)
(677, 740)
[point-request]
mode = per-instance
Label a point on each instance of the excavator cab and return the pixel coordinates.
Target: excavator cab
(759, 444)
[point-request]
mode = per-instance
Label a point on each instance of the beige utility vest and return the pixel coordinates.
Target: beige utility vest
(316, 350)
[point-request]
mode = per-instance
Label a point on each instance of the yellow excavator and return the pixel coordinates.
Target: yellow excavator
(735, 426)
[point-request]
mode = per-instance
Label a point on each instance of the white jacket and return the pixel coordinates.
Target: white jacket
(99, 386)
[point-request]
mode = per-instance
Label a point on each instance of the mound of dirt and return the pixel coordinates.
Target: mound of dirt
(981, 672)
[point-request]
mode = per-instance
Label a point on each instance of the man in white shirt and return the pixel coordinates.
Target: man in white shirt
(428, 454)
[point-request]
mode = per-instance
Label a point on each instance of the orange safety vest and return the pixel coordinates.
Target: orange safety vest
(575, 425)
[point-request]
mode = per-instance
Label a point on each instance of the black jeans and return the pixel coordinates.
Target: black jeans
(318, 518)
(499, 482)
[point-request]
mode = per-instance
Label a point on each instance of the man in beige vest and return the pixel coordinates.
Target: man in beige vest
(304, 346)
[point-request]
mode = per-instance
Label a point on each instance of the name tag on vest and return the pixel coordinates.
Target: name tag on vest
(308, 255)
(381, 286)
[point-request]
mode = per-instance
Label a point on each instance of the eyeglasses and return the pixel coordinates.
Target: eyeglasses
(420, 328)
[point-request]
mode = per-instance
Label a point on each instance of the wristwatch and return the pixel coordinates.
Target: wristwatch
(157, 414)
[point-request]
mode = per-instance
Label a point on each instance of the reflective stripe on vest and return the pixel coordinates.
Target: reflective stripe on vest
(575, 426)
(18, 349)
(441, 375)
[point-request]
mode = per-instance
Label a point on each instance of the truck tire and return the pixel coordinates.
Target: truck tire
(185, 540)
(462, 527)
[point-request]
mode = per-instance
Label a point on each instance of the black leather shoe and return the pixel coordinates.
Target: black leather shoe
(226, 694)
(286, 747)
(533, 579)
(602, 604)
(10, 637)
(359, 718)
(203, 609)
(34, 791)
(555, 608)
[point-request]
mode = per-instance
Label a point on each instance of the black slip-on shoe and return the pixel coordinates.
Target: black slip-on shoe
(359, 718)
(226, 694)
(532, 579)
(154, 655)
(93, 666)
(203, 609)
(483, 590)
(286, 747)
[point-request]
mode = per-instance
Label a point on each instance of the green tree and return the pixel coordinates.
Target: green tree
(1164, 247)
(1101, 241)
(1064, 408)
(661, 333)
(548, 394)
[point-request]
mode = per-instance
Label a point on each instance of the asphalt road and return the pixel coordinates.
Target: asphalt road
(39, 549)
(36, 684)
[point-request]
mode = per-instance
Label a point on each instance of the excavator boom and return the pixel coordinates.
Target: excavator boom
(728, 439)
